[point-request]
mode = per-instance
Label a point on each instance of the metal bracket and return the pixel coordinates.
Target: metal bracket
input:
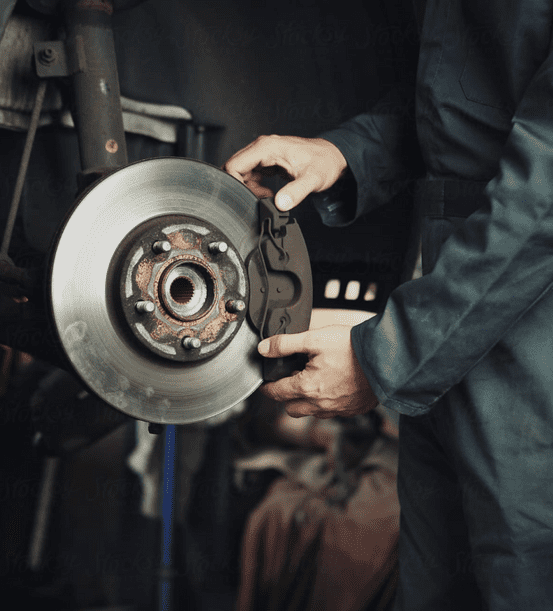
(281, 290)
(55, 59)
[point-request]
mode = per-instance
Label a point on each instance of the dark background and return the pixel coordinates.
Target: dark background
(285, 67)
(275, 67)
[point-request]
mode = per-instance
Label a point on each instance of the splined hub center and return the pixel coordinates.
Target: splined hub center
(187, 291)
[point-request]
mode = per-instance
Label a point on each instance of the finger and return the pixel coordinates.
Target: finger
(299, 408)
(296, 191)
(252, 180)
(258, 190)
(283, 345)
(233, 173)
(283, 390)
(260, 152)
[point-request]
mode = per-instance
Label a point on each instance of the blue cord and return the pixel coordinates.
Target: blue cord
(167, 521)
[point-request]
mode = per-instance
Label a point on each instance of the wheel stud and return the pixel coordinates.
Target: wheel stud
(144, 307)
(161, 246)
(191, 343)
(217, 248)
(234, 306)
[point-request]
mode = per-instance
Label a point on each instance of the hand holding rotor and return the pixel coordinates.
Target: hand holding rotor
(332, 383)
(312, 165)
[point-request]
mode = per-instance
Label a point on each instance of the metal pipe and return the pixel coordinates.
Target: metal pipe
(16, 198)
(97, 98)
(42, 517)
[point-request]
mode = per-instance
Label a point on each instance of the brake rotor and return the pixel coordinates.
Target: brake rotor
(149, 290)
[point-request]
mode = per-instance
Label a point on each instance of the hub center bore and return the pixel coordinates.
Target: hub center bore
(182, 290)
(187, 291)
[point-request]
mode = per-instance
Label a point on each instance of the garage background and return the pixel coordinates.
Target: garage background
(294, 68)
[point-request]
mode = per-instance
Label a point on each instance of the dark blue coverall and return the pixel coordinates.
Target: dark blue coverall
(465, 353)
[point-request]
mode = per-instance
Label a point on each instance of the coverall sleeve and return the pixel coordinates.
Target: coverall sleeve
(383, 157)
(490, 271)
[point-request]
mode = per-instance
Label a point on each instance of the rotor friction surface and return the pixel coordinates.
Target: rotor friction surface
(127, 377)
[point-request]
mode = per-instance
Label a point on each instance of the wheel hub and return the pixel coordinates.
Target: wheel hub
(181, 279)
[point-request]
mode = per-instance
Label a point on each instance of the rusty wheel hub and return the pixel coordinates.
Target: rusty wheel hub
(149, 291)
(181, 284)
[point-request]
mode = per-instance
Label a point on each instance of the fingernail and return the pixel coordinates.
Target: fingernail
(263, 347)
(284, 202)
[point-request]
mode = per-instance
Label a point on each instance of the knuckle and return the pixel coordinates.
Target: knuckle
(327, 405)
(267, 140)
(317, 180)
(308, 387)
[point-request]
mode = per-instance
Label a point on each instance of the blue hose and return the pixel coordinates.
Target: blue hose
(167, 521)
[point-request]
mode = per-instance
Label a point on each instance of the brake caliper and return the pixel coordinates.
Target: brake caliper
(281, 291)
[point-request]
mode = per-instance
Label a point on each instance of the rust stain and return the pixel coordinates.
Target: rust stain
(224, 313)
(96, 5)
(161, 330)
(177, 240)
(213, 329)
(143, 275)
(112, 146)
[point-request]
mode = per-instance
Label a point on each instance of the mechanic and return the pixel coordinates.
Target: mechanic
(465, 353)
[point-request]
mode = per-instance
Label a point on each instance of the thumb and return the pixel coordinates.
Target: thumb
(296, 191)
(283, 201)
(282, 345)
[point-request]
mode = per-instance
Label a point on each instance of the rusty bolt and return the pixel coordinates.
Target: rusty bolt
(218, 247)
(47, 56)
(112, 146)
(191, 343)
(161, 246)
(235, 305)
(144, 307)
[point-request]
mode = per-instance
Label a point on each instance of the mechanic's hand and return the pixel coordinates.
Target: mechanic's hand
(332, 383)
(312, 165)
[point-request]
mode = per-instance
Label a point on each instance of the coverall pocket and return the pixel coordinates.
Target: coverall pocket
(482, 85)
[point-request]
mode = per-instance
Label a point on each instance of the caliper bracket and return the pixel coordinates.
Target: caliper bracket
(281, 289)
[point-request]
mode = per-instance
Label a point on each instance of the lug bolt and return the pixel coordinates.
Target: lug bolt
(161, 246)
(218, 247)
(235, 305)
(144, 307)
(191, 343)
